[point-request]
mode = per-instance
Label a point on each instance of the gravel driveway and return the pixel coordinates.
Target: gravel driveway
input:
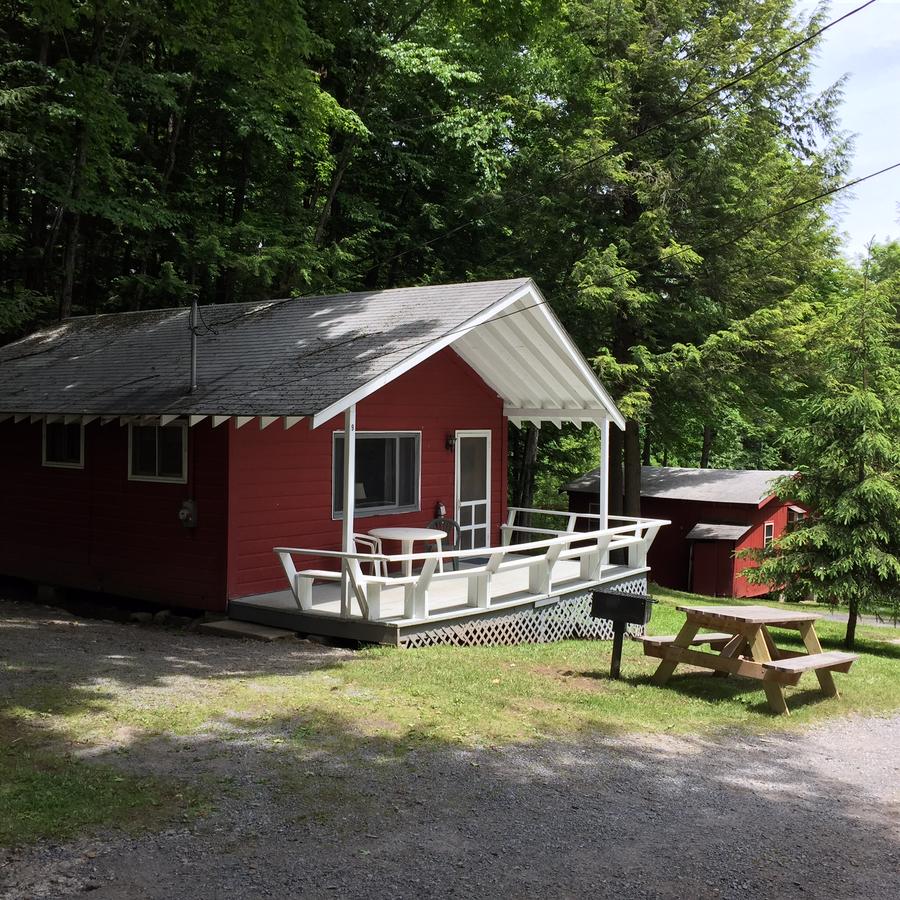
(812, 814)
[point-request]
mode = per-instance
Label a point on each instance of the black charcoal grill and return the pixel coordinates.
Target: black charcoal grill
(621, 609)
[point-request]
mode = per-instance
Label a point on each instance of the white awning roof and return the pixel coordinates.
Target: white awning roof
(714, 531)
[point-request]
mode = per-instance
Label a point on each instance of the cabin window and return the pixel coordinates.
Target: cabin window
(387, 473)
(768, 534)
(157, 453)
(63, 445)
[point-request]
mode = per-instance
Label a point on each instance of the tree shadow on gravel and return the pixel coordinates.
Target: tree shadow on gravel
(309, 800)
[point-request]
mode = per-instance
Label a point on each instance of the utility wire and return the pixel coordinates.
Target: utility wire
(463, 329)
(505, 202)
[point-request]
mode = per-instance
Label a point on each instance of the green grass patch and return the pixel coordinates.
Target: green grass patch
(472, 696)
(383, 703)
(46, 794)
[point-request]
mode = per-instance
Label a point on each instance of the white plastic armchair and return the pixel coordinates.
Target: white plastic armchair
(365, 543)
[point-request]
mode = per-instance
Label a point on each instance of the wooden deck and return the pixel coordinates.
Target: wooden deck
(447, 604)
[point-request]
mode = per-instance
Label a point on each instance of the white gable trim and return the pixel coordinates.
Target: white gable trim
(412, 361)
(528, 290)
(575, 355)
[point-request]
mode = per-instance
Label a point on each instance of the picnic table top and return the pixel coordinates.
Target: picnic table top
(754, 615)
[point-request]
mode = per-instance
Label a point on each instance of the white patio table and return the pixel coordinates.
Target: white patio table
(407, 537)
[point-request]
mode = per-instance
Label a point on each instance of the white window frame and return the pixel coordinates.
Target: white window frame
(380, 510)
(768, 535)
(165, 479)
(61, 465)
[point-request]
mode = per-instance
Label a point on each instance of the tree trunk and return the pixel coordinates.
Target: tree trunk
(229, 275)
(340, 169)
(65, 297)
(524, 494)
(852, 615)
(74, 217)
(176, 122)
(645, 453)
(616, 484)
(709, 435)
(632, 503)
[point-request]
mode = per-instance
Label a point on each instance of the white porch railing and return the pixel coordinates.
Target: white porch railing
(540, 558)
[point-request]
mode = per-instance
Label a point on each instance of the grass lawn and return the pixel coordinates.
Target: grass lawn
(49, 794)
(384, 701)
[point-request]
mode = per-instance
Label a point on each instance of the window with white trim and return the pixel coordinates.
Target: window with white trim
(63, 445)
(387, 473)
(157, 452)
(768, 534)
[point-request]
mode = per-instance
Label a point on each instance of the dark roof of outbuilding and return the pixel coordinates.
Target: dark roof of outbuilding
(292, 357)
(745, 486)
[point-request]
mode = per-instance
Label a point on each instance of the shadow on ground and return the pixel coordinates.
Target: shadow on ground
(306, 804)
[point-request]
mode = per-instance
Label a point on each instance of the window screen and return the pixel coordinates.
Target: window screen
(62, 444)
(157, 452)
(387, 473)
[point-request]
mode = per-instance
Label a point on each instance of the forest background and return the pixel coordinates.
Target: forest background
(663, 170)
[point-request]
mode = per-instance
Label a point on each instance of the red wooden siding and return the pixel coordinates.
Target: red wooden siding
(775, 511)
(280, 481)
(92, 528)
(716, 571)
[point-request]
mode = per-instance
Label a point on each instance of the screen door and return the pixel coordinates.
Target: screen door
(473, 487)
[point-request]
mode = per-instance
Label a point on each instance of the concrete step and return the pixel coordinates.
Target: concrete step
(235, 629)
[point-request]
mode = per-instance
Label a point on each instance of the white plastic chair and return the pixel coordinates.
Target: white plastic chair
(365, 543)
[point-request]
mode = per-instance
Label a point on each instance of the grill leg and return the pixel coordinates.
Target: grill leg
(615, 665)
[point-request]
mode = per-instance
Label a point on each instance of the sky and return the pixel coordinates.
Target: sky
(866, 47)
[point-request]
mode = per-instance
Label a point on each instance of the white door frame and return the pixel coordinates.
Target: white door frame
(483, 433)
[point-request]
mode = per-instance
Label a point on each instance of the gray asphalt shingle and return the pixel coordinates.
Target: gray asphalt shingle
(712, 531)
(748, 486)
(284, 357)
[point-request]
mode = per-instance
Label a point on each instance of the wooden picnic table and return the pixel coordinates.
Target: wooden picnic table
(745, 647)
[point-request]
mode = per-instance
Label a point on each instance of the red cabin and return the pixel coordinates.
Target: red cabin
(161, 456)
(714, 514)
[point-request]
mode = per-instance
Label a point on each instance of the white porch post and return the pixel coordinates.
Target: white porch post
(349, 507)
(603, 505)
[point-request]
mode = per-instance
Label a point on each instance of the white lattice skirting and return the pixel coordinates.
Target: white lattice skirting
(570, 617)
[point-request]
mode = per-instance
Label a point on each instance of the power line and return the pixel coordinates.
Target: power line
(505, 202)
(463, 329)
(649, 129)
(618, 147)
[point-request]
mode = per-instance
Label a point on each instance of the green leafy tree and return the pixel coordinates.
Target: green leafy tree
(847, 449)
(662, 206)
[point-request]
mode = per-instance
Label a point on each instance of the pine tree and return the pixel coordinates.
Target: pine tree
(847, 446)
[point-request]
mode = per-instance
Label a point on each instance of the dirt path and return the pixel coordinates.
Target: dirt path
(815, 813)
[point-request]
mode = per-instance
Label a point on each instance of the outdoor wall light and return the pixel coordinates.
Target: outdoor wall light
(450, 443)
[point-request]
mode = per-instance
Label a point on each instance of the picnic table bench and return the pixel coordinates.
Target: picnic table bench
(745, 647)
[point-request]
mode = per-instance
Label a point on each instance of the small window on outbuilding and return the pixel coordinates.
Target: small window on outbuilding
(63, 445)
(157, 453)
(795, 515)
(768, 534)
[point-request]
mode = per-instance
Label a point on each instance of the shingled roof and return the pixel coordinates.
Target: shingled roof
(292, 357)
(744, 486)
